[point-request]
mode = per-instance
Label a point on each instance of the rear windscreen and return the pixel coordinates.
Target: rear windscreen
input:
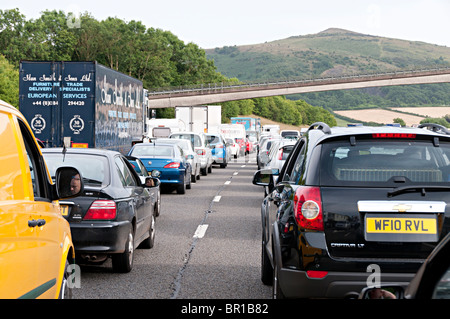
(143, 150)
(384, 161)
(93, 168)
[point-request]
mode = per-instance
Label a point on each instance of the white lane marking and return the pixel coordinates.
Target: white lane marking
(217, 199)
(235, 173)
(243, 165)
(200, 232)
(227, 182)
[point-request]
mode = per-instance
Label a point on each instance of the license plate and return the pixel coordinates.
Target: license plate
(401, 228)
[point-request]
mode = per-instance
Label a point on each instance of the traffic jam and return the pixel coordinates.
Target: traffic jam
(346, 212)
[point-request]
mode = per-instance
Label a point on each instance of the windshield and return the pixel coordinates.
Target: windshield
(212, 139)
(145, 150)
(385, 161)
(93, 168)
(195, 139)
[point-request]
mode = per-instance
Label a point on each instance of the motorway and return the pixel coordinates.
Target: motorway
(207, 246)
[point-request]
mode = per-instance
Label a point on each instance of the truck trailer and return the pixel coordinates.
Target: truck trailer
(81, 104)
(200, 119)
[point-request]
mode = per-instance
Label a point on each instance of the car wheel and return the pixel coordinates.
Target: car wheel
(210, 168)
(158, 204)
(193, 179)
(188, 178)
(150, 241)
(181, 188)
(66, 291)
(266, 267)
(124, 262)
(204, 171)
(276, 290)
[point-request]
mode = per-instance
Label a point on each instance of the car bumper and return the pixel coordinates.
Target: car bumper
(171, 176)
(204, 162)
(297, 284)
(100, 237)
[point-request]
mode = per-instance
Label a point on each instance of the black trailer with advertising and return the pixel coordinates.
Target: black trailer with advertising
(81, 104)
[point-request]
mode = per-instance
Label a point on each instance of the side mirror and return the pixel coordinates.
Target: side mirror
(383, 292)
(151, 182)
(69, 182)
(264, 177)
(155, 173)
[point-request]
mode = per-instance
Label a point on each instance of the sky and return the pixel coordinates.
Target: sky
(212, 23)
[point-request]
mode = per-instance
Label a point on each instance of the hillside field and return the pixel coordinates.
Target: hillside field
(385, 116)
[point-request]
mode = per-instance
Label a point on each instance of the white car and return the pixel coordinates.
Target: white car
(199, 143)
(234, 147)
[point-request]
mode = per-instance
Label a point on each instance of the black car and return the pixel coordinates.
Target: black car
(351, 200)
(115, 212)
(154, 182)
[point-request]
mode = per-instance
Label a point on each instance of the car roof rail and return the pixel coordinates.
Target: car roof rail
(435, 128)
(320, 126)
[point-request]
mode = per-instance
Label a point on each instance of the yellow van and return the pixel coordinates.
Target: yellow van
(36, 248)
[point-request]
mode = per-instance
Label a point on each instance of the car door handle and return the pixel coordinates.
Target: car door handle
(34, 223)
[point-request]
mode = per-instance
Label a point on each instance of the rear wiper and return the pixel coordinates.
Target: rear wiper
(418, 188)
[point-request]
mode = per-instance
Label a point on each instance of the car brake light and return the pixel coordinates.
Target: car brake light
(201, 152)
(308, 208)
(280, 154)
(172, 165)
(317, 274)
(393, 135)
(101, 209)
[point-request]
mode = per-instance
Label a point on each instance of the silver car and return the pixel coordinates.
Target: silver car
(199, 143)
(191, 155)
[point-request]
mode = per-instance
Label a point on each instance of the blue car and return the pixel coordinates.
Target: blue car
(218, 145)
(169, 160)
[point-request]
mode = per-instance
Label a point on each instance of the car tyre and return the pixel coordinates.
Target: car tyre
(276, 290)
(150, 241)
(181, 188)
(158, 204)
(124, 262)
(266, 267)
(210, 168)
(188, 178)
(66, 291)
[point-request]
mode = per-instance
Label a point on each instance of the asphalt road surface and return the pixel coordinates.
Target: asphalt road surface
(207, 246)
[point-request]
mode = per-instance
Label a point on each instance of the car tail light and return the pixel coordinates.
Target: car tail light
(317, 274)
(201, 152)
(101, 209)
(280, 154)
(308, 208)
(172, 165)
(393, 135)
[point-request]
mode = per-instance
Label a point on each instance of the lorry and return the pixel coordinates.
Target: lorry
(164, 127)
(250, 123)
(200, 119)
(273, 129)
(237, 133)
(81, 104)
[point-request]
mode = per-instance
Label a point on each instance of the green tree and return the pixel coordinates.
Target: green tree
(9, 82)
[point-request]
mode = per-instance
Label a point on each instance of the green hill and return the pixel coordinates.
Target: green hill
(336, 52)
(332, 52)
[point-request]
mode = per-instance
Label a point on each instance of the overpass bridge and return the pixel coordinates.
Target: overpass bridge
(219, 92)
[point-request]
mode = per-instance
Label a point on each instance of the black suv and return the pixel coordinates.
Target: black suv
(353, 207)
